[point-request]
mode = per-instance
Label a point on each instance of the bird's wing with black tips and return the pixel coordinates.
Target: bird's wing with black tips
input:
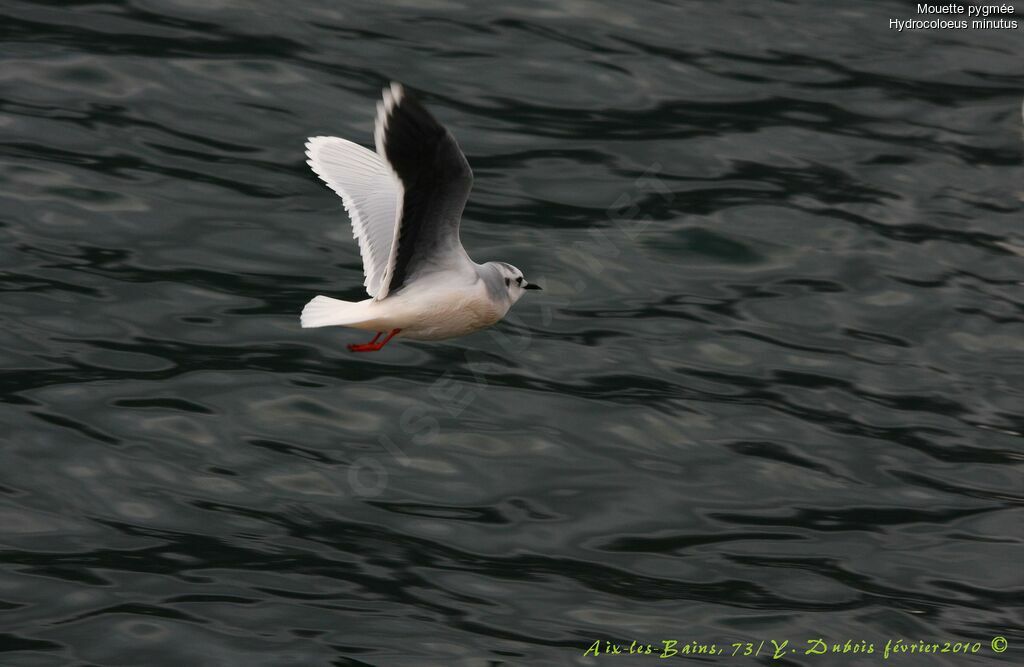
(436, 180)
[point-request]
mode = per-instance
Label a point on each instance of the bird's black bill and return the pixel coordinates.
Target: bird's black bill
(531, 286)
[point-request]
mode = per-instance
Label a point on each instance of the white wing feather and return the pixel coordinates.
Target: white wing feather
(372, 195)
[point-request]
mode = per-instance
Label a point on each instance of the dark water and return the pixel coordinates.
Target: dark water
(773, 389)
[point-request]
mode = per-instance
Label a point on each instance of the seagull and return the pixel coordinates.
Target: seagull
(405, 202)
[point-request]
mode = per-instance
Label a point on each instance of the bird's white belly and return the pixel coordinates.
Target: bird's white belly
(429, 313)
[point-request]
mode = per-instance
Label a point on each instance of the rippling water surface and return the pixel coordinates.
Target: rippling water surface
(772, 389)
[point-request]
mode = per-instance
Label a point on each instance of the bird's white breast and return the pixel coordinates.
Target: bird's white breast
(433, 310)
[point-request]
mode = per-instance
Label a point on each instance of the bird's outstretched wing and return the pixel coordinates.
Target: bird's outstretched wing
(406, 200)
(372, 195)
(435, 178)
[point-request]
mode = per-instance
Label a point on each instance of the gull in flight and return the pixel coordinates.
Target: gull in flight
(405, 201)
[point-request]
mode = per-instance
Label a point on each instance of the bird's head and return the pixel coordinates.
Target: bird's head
(513, 281)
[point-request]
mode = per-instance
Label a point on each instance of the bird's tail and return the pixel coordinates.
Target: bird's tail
(324, 311)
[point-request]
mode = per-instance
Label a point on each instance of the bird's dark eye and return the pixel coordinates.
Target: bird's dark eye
(519, 280)
(507, 282)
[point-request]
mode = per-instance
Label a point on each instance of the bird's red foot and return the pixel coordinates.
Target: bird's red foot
(373, 345)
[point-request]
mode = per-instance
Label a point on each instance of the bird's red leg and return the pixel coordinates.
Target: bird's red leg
(373, 345)
(390, 336)
(364, 347)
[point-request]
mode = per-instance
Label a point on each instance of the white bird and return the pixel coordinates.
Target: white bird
(405, 202)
